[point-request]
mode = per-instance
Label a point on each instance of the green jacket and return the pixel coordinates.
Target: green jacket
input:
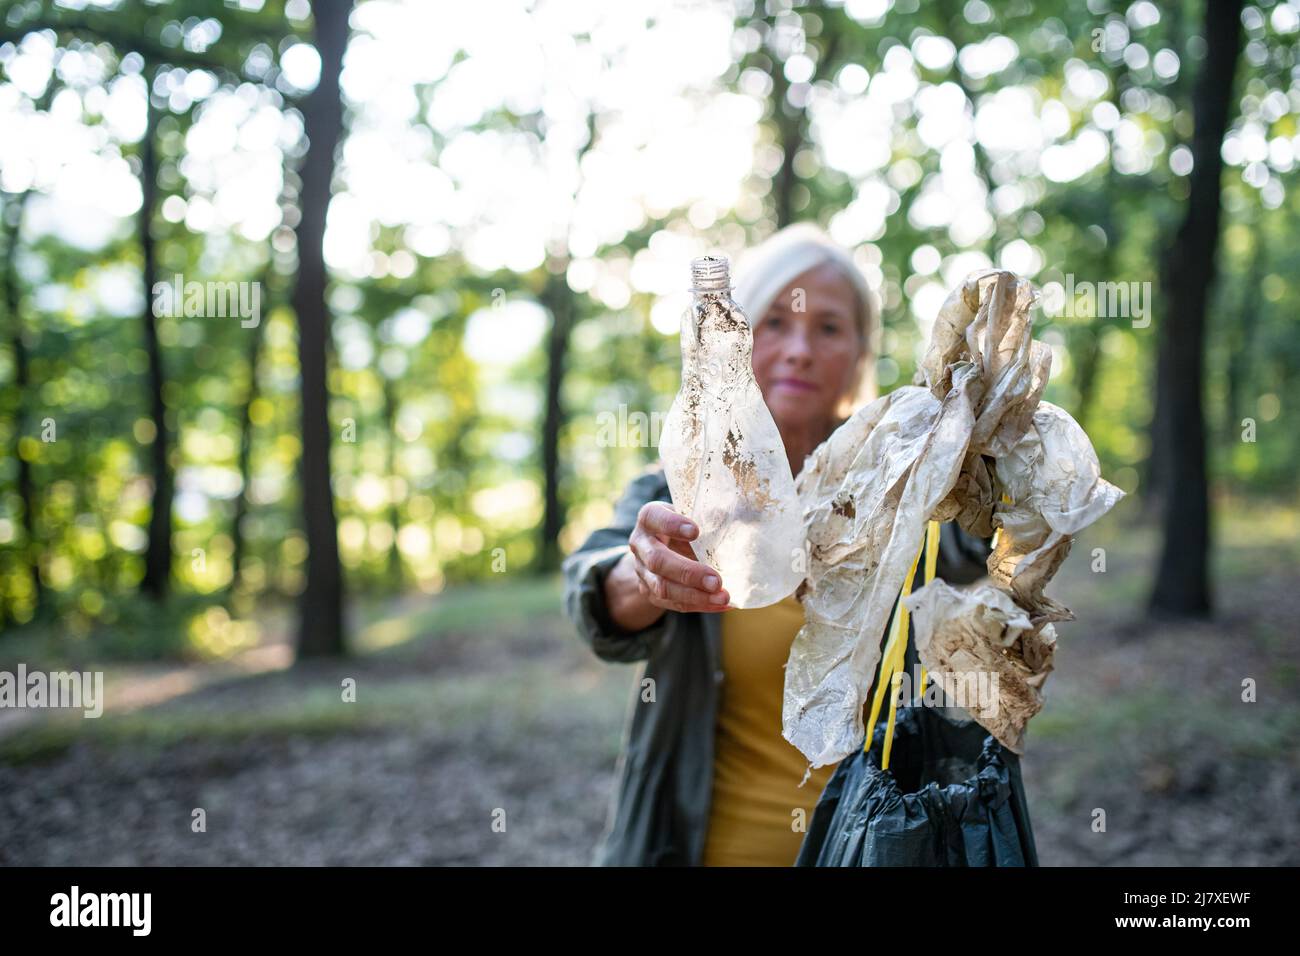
(664, 777)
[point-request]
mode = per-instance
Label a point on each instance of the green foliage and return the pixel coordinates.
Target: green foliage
(438, 453)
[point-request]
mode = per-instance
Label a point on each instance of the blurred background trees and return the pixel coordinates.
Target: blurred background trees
(470, 225)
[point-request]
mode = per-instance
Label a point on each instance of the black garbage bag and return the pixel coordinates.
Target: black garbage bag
(952, 796)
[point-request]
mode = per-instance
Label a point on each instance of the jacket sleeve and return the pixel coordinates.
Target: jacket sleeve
(584, 580)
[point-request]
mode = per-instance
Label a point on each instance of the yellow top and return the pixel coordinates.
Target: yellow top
(756, 771)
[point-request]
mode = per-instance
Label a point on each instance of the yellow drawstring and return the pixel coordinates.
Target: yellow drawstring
(997, 532)
(931, 566)
(894, 656)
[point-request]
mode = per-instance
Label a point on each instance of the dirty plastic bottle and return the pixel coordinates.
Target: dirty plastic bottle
(723, 456)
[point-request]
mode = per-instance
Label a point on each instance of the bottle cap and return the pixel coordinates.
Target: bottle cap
(711, 274)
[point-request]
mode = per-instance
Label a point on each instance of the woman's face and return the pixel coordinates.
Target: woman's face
(807, 347)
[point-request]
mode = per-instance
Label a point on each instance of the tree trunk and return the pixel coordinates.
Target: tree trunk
(394, 507)
(158, 554)
(252, 361)
(791, 127)
(1182, 587)
(321, 605)
(790, 141)
(559, 300)
(30, 550)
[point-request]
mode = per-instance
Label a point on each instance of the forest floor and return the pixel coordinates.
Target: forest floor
(481, 705)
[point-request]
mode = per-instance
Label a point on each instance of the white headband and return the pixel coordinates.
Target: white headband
(763, 271)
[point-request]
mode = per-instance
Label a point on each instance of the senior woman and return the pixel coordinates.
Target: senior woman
(705, 776)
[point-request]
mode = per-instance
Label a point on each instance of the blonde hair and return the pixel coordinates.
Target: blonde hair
(763, 271)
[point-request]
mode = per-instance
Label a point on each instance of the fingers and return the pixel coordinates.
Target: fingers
(671, 581)
(669, 575)
(666, 563)
(678, 597)
(657, 518)
(660, 521)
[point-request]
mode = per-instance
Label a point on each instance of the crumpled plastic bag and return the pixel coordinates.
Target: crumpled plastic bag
(1053, 480)
(981, 649)
(922, 452)
(726, 463)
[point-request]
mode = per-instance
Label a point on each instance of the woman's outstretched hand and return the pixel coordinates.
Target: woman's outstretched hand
(660, 572)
